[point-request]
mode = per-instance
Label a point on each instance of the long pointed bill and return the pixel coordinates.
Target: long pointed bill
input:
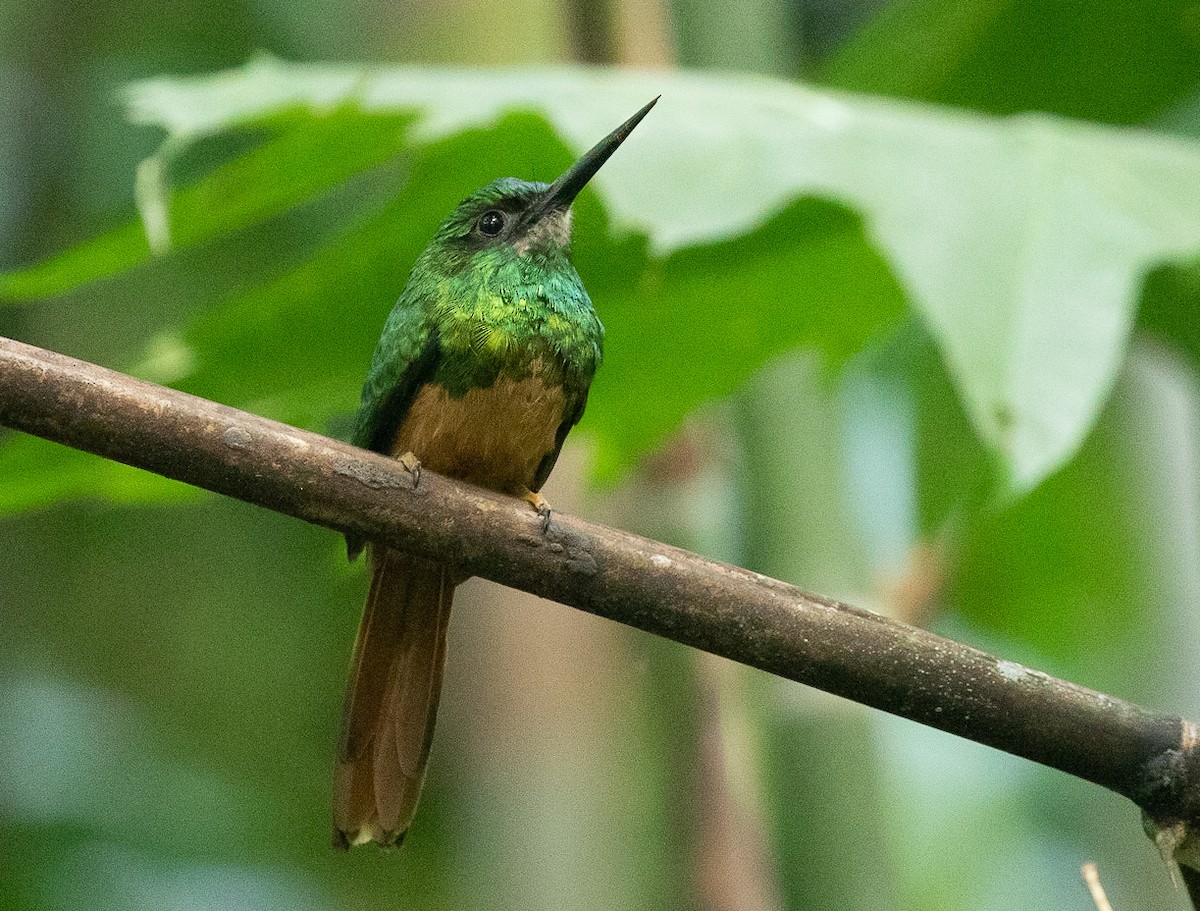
(563, 191)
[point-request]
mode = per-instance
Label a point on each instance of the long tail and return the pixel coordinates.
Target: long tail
(391, 699)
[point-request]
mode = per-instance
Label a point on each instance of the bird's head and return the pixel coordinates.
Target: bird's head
(523, 218)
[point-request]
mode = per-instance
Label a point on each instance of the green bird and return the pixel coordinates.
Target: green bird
(482, 369)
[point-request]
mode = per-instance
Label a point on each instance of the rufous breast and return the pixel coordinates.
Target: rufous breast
(494, 437)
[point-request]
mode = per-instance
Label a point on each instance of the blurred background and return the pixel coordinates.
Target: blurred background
(171, 672)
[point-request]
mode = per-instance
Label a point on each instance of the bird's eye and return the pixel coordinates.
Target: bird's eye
(491, 223)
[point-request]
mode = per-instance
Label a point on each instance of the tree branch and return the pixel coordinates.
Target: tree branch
(1150, 758)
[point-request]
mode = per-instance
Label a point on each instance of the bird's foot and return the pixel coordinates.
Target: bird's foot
(538, 502)
(412, 465)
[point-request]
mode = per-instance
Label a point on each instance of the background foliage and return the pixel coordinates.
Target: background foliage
(907, 350)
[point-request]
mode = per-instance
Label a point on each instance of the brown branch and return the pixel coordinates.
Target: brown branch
(1150, 758)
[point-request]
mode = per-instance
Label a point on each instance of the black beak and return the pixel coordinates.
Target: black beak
(563, 191)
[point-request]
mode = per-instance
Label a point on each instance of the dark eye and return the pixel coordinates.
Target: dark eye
(491, 223)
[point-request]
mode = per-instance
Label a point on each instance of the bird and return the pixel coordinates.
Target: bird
(481, 370)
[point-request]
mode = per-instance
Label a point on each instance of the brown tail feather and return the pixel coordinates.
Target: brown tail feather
(391, 699)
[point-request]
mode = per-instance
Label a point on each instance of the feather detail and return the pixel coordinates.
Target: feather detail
(392, 699)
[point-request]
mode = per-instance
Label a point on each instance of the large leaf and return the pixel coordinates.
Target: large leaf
(1170, 308)
(1021, 242)
(1094, 566)
(1107, 60)
(307, 156)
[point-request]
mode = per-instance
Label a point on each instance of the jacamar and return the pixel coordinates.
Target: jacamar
(482, 369)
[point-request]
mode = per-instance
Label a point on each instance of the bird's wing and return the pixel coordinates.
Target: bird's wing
(572, 412)
(405, 359)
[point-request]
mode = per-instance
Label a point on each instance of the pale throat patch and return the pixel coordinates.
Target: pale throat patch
(552, 230)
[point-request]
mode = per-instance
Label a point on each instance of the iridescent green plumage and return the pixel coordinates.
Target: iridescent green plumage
(476, 309)
(472, 310)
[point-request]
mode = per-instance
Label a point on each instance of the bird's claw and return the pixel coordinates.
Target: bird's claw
(413, 466)
(538, 502)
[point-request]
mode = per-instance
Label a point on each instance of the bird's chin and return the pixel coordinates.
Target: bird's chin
(551, 231)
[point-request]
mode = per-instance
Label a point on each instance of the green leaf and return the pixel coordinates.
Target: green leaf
(1170, 308)
(309, 155)
(699, 322)
(1107, 60)
(1021, 243)
(1089, 569)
